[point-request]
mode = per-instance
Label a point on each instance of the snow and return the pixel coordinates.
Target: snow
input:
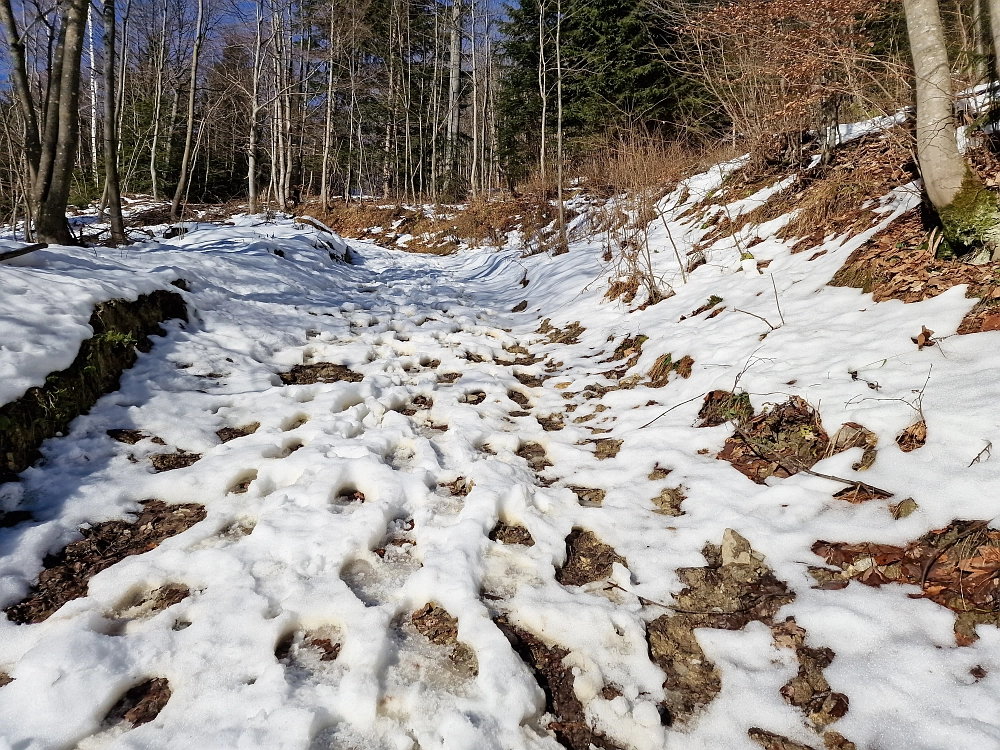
(309, 563)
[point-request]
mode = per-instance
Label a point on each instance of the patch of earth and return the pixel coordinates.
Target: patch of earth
(66, 574)
(508, 534)
(568, 335)
(534, 454)
(439, 627)
(853, 435)
(668, 502)
(551, 422)
(475, 398)
(734, 588)
(231, 433)
(448, 377)
(588, 497)
(531, 381)
(5, 679)
(131, 437)
(556, 680)
(459, 487)
(519, 398)
(809, 689)
(181, 459)
(140, 705)
(658, 473)
(588, 559)
(606, 447)
(319, 372)
(147, 604)
(957, 567)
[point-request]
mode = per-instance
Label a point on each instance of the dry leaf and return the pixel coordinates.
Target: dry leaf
(924, 338)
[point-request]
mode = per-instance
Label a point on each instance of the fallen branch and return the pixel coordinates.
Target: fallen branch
(9, 254)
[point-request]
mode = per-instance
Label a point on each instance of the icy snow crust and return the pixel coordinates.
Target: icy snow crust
(309, 563)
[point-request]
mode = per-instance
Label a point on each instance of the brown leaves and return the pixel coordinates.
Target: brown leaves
(957, 567)
(924, 338)
(912, 437)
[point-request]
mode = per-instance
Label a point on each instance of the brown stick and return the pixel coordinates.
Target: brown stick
(7, 255)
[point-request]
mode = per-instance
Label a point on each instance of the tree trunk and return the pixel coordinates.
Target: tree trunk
(967, 210)
(175, 207)
(157, 105)
(113, 189)
(454, 83)
(563, 240)
(994, 13)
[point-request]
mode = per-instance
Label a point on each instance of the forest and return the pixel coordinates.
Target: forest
(274, 103)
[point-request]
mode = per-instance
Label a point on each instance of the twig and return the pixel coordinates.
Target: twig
(736, 309)
(669, 410)
(988, 450)
(776, 302)
(793, 469)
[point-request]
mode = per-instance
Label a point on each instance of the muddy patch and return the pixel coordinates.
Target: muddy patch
(319, 372)
(131, 437)
(511, 534)
(588, 559)
(556, 680)
(731, 590)
(67, 573)
(231, 433)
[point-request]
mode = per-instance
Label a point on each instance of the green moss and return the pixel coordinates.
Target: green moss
(971, 221)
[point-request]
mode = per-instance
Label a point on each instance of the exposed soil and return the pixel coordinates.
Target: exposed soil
(439, 627)
(588, 496)
(809, 689)
(66, 574)
(120, 327)
(131, 437)
(448, 377)
(772, 741)
(319, 372)
(551, 422)
(475, 398)
(957, 567)
(731, 590)
(507, 534)
(169, 461)
(568, 335)
(141, 704)
(459, 487)
(5, 679)
(519, 398)
(588, 559)
(531, 381)
(156, 601)
(534, 454)
(556, 680)
(607, 447)
(231, 433)
(668, 502)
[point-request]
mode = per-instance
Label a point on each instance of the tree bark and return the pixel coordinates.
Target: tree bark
(113, 189)
(966, 209)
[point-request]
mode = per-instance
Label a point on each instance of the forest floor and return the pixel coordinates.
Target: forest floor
(367, 505)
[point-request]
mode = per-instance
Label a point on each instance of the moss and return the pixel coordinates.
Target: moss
(120, 327)
(971, 221)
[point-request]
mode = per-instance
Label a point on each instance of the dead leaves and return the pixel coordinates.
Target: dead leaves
(912, 437)
(957, 567)
(781, 441)
(659, 373)
(924, 338)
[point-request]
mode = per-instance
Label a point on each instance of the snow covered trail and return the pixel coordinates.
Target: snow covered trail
(453, 450)
(333, 519)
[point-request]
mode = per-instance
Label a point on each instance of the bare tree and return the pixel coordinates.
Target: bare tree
(112, 189)
(175, 207)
